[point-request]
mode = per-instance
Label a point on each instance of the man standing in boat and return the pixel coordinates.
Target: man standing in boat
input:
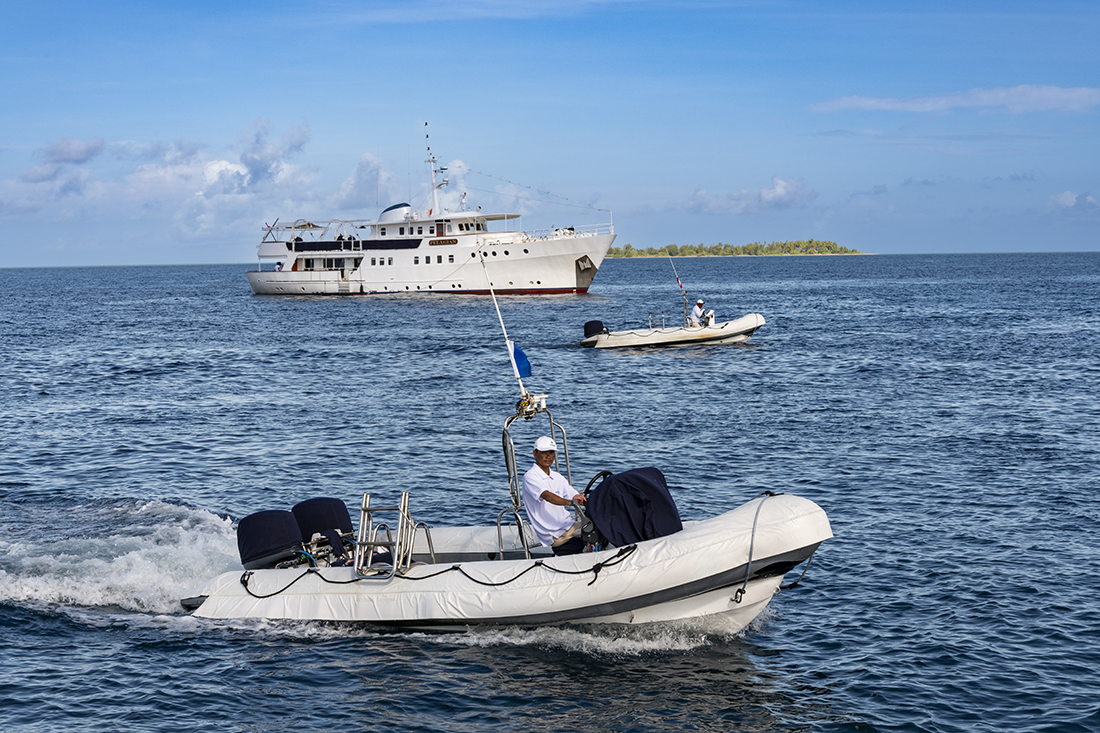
(696, 316)
(548, 496)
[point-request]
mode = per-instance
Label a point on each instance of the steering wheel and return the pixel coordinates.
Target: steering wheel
(597, 477)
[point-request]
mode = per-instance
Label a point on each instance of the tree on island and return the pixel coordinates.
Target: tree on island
(800, 247)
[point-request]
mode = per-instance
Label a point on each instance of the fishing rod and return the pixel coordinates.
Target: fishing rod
(683, 293)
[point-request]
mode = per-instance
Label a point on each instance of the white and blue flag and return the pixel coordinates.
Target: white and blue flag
(520, 365)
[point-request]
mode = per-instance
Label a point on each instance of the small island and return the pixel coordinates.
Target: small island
(801, 247)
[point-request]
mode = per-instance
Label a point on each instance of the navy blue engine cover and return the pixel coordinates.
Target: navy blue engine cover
(265, 538)
(633, 506)
(591, 328)
(317, 515)
(328, 516)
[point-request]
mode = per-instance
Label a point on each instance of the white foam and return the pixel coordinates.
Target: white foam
(610, 639)
(145, 563)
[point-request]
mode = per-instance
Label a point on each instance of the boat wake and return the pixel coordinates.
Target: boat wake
(126, 555)
(613, 640)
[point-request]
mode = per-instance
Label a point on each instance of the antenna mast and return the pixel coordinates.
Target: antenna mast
(431, 161)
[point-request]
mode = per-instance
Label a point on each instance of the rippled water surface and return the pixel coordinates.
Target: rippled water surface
(942, 409)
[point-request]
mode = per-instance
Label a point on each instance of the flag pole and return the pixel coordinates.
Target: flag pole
(507, 342)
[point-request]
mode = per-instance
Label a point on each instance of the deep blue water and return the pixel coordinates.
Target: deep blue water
(943, 410)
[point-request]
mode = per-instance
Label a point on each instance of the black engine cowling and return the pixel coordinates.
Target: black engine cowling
(591, 328)
(266, 538)
(325, 516)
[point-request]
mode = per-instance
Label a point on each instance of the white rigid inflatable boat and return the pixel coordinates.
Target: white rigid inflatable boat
(410, 576)
(726, 332)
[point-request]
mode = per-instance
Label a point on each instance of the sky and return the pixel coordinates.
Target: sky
(141, 133)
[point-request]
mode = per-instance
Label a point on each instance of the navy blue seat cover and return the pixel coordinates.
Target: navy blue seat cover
(632, 506)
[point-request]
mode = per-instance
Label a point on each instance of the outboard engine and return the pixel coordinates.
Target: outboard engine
(266, 538)
(325, 516)
(592, 328)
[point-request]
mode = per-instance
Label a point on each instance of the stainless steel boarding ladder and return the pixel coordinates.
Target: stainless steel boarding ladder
(368, 544)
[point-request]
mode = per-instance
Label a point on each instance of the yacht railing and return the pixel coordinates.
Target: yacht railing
(591, 230)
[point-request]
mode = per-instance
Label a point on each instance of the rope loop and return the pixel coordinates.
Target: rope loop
(619, 557)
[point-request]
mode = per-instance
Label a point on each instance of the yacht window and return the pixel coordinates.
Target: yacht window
(372, 262)
(416, 260)
(390, 262)
(431, 229)
(449, 229)
(479, 226)
(402, 230)
(439, 259)
(340, 263)
(450, 258)
(383, 230)
(420, 230)
(358, 261)
(309, 264)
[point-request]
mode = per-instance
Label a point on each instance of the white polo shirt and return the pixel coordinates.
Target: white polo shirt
(548, 520)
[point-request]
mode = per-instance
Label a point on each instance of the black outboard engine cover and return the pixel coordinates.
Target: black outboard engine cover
(328, 516)
(633, 506)
(593, 327)
(266, 538)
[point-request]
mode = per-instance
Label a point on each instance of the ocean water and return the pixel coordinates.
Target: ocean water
(942, 409)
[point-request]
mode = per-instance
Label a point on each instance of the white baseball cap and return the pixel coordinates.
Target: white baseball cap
(546, 443)
(700, 301)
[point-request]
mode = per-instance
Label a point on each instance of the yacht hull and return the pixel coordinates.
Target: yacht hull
(552, 265)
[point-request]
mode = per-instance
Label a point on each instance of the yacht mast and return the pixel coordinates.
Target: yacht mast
(431, 161)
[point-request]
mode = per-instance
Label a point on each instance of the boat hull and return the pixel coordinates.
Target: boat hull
(727, 332)
(694, 573)
(547, 265)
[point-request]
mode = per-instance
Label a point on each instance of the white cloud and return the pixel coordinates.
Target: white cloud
(180, 151)
(1023, 98)
(782, 194)
(368, 187)
(220, 177)
(73, 151)
(41, 173)
(172, 179)
(1066, 198)
(1083, 203)
(264, 160)
(58, 156)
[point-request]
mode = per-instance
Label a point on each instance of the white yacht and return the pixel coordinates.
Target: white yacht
(428, 251)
